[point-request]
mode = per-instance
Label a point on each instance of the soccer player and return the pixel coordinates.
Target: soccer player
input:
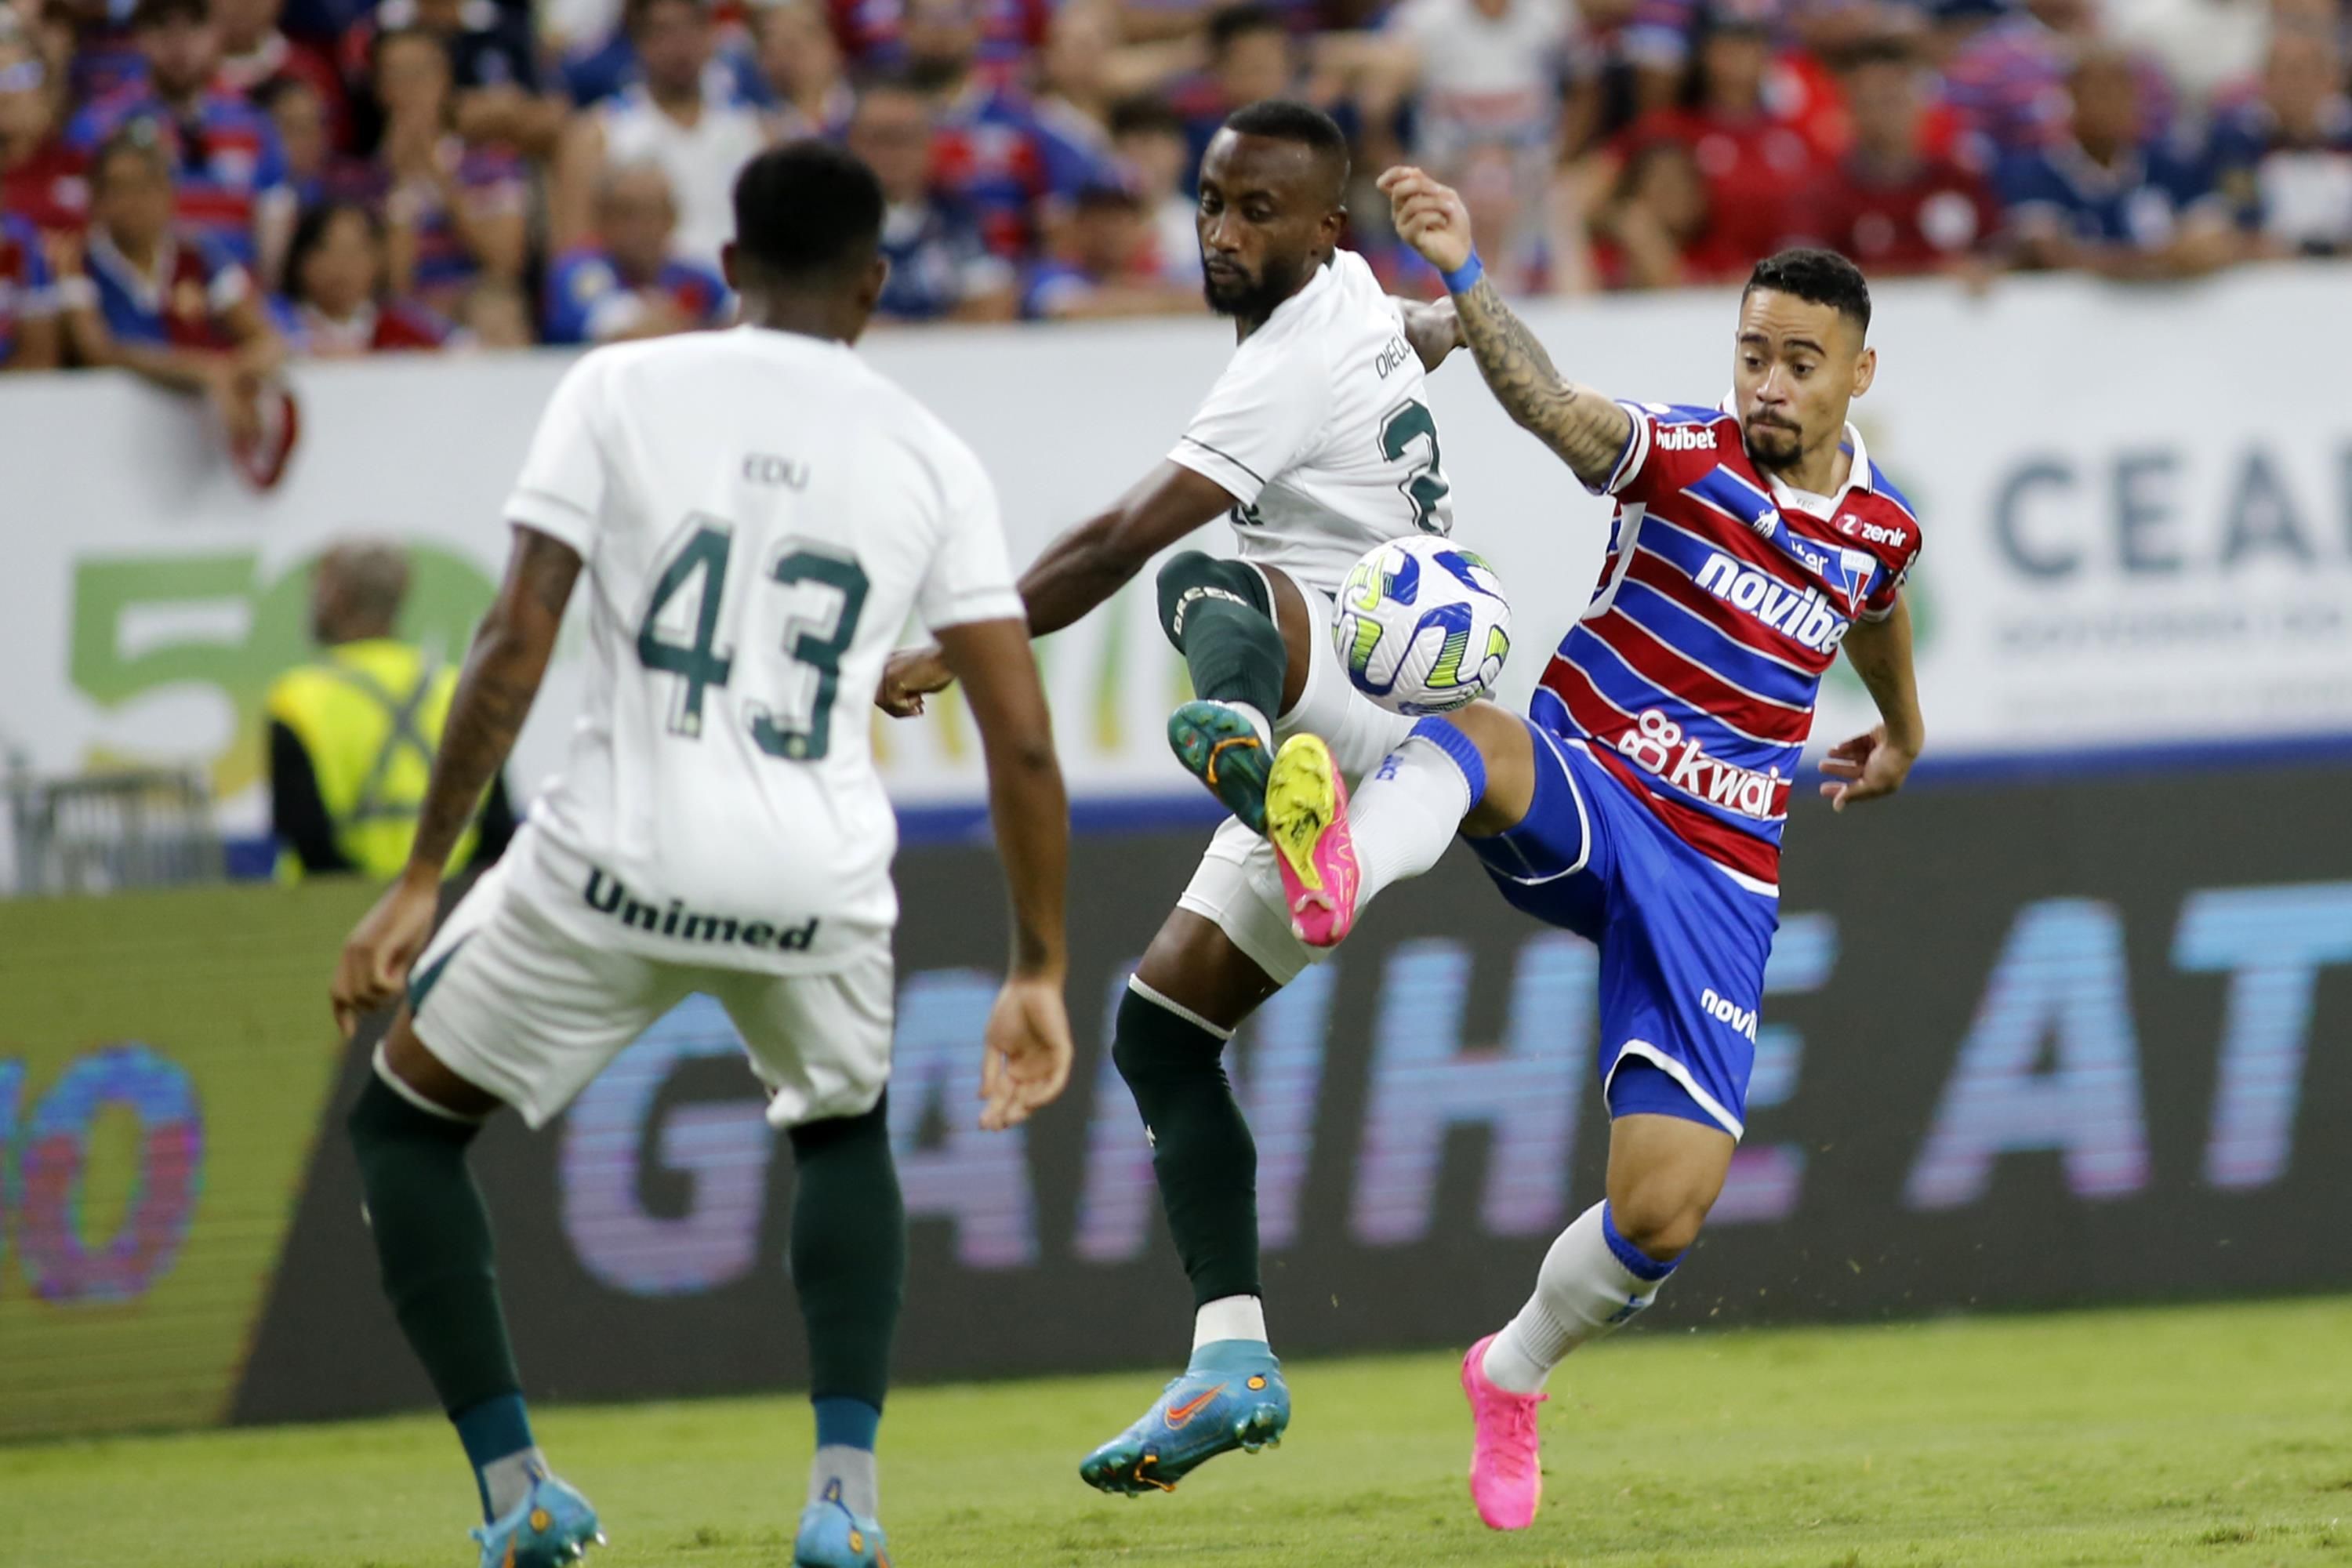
(758, 514)
(1318, 443)
(1640, 802)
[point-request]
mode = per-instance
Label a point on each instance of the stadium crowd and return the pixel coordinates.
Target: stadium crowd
(197, 189)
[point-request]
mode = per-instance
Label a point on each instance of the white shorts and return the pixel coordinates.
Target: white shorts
(518, 1008)
(1238, 887)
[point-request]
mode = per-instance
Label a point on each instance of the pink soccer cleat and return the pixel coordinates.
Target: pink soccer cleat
(1506, 1468)
(1307, 821)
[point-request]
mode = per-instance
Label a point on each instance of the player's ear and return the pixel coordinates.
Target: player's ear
(727, 267)
(1866, 370)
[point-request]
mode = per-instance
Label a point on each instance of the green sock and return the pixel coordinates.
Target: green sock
(848, 1252)
(433, 1240)
(1217, 615)
(1202, 1151)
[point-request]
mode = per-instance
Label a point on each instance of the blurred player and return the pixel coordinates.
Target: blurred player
(1640, 803)
(1318, 443)
(759, 515)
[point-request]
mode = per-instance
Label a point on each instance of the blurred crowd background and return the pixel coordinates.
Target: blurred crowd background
(197, 189)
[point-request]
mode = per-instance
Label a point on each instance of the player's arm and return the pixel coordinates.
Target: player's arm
(1587, 431)
(1080, 570)
(1875, 764)
(1028, 1060)
(494, 695)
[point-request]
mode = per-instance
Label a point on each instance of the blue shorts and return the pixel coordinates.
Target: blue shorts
(1683, 946)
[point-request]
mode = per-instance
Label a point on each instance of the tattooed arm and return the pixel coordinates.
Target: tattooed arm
(494, 696)
(510, 655)
(1586, 429)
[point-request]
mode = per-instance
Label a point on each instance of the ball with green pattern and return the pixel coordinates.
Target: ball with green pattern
(1423, 626)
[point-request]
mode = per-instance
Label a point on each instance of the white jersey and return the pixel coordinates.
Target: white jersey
(1320, 429)
(701, 161)
(760, 514)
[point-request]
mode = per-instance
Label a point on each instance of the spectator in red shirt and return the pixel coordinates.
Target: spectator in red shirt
(256, 53)
(454, 210)
(1891, 204)
(167, 305)
(1753, 161)
(334, 306)
(1657, 231)
(41, 178)
(29, 300)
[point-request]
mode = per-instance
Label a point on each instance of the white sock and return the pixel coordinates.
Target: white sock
(1257, 720)
(509, 1481)
(1404, 814)
(1229, 1318)
(1584, 1291)
(861, 1486)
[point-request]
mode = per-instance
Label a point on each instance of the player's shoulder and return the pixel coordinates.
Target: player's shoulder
(1878, 518)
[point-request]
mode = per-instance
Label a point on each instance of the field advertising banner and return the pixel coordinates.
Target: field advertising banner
(2136, 503)
(165, 1064)
(2021, 1047)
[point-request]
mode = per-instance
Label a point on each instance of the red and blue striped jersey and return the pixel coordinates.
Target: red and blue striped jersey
(225, 159)
(27, 292)
(1692, 672)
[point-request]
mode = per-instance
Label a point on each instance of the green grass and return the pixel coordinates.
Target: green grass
(2212, 1436)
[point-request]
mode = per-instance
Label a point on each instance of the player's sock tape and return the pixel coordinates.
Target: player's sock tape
(1464, 751)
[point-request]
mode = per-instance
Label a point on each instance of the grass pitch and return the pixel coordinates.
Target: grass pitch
(2210, 1436)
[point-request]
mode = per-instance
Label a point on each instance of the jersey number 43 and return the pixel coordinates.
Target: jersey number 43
(817, 641)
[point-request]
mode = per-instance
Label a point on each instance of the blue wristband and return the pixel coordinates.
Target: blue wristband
(1464, 278)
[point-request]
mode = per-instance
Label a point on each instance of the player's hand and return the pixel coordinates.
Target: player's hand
(1429, 216)
(1865, 768)
(382, 947)
(912, 674)
(1028, 1050)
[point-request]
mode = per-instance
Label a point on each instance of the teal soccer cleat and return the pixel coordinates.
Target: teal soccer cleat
(553, 1526)
(832, 1536)
(1231, 1396)
(1223, 750)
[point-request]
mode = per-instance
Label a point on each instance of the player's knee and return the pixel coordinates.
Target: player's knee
(1151, 1046)
(1192, 576)
(1661, 1214)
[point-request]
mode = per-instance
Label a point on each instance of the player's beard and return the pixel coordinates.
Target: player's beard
(1250, 298)
(1773, 445)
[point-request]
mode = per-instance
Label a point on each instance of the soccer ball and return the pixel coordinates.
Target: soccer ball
(1423, 626)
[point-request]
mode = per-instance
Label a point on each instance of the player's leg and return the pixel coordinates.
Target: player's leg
(1222, 952)
(1472, 772)
(500, 1012)
(822, 1045)
(1245, 635)
(1672, 930)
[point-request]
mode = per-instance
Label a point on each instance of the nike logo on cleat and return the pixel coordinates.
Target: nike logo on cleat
(1180, 1413)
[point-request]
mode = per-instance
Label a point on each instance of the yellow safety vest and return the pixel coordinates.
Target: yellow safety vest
(370, 714)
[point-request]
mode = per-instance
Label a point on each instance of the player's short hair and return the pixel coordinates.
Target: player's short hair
(1287, 119)
(1817, 277)
(1145, 114)
(373, 575)
(1228, 24)
(808, 212)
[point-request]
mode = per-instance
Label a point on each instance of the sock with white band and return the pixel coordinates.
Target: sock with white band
(1593, 1282)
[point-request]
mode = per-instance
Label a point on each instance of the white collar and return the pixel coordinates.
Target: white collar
(1857, 476)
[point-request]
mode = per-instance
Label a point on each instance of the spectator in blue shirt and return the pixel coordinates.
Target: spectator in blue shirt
(940, 267)
(626, 283)
(2104, 198)
(2285, 159)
